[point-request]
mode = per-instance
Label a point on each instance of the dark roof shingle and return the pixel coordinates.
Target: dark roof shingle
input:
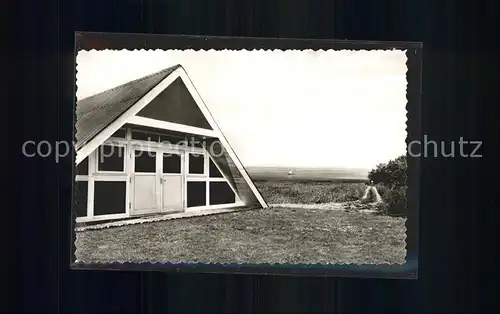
(95, 113)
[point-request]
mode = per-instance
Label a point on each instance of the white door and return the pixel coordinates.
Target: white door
(172, 181)
(145, 182)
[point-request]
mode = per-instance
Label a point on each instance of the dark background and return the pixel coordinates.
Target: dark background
(459, 61)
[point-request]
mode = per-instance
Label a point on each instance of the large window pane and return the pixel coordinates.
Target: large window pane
(215, 148)
(196, 164)
(109, 197)
(196, 193)
(80, 198)
(121, 133)
(221, 193)
(214, 171)
(171, 163)
(193, 141)
(145, 161)
(110, 158)
(145, 136)
(169, 139)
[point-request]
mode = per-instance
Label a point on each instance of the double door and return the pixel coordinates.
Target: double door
(157, 181)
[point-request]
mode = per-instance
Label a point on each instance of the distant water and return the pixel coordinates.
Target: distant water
(308, 174)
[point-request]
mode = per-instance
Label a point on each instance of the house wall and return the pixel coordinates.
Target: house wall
(102, 194)
(94, 185)
(229, 168)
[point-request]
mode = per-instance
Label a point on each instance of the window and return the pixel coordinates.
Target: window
(111, 158)
(196, 193)
(213, 170)
(168, 140)
(221, 193)
(82, 169)
(145, 161)
(145, 136)
(196, 163)
(80, 198)
(171, 163)
(109, 197)
(193, 141)
(215, 148)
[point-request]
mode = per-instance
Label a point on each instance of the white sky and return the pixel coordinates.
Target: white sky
(283, 108)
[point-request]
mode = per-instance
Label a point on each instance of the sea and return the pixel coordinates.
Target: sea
(307, 173)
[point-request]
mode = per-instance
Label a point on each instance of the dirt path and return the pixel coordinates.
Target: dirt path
(328, 206)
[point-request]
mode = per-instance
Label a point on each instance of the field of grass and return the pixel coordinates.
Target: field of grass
(309, 192)
(307, 173)
(270, 235)
(275, 235)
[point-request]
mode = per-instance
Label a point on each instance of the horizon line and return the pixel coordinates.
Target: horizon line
(321, 166)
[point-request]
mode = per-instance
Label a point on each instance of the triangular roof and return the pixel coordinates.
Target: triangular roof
(95, 113)
(100, 115)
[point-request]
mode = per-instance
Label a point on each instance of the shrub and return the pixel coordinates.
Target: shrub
(391, 173)
(395, 201)
(390, 180)
(381, 189)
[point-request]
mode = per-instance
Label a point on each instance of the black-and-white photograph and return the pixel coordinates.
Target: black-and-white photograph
(241, 156)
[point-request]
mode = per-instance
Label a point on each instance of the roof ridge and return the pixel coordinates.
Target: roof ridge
(173, 68)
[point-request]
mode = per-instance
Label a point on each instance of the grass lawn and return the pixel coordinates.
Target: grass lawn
(271, 235)
(309, 192)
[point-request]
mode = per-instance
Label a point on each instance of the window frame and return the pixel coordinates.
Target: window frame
(113, 143)
(207, 179)
(171, 152)
(96, 175)
(156, 134)
(204, 155)
(129, 145)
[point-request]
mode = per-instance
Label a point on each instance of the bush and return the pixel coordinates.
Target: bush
(391, 173)
(395, 201)
(390, 180)
(381, 189)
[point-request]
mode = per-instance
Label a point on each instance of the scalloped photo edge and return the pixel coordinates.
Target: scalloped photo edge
(323, 209)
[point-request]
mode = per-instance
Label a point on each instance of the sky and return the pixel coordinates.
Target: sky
(339, 109)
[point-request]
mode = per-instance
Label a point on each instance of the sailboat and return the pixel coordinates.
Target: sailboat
(290, 172)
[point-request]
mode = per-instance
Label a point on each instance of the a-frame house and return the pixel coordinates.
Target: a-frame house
(150, 147)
